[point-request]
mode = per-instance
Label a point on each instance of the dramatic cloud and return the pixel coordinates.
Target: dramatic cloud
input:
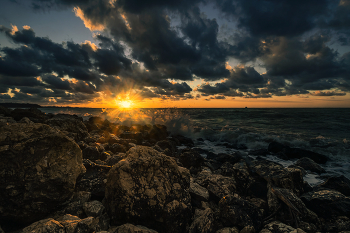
(157, 47)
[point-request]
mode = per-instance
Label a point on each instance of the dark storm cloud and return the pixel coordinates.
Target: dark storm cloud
(148, 43)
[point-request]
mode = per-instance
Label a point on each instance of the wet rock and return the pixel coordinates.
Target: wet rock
(71, 125)
(117, 148)
(205, 223)
(290, 203)
(327, 203)
(48, 225)
(297, 153)
(33, 114)
(168, 145)
(38, 171)
(129, 228)
(234, 211)
(228, 230)
(149, 189)
(157, 133)
(91, 153)
(289, 178)
(198, 193)
(217, 185)
(182, 140)
(94, 208)
(279, 227)
(94, 180)
(339, 183)
(310, 165)
(192, 160)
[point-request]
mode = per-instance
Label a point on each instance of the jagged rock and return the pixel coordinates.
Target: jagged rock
(198, 193)
(91, 153)
(290, 202)
(94, 208)
(33, 114)
(94, 180)
(38, 171)
(129, 228)
(279, 227)
(48, 225)
(248, 229)
(117, 148)
(114, 159)
(339, 183)
(228, 230)
(217, 185)
(297, 153)
(192, 160)
(72, 125)
(168, 145)
(339, 224)
(182, 140)
(310, 165)
(148, 188)
(234, 211)
(327, 203)
(205, 223)
(158, 132)
(289, 178)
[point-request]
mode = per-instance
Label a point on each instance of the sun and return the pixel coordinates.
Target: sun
(125, 104)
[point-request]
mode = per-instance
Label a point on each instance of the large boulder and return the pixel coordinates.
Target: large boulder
(277, 175)
(292, 153)
(235, 211)
(309, 164)
(338, 183)
(327, 203)
(70, 124)
(38, 171)
(148, 188)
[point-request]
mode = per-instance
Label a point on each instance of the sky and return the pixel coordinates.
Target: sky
(176, 53)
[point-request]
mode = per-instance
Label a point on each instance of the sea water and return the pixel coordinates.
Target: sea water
(326, 131)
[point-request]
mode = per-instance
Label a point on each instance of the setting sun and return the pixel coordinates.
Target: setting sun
(125, 104)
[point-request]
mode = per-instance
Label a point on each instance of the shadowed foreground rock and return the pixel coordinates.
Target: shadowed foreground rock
(38, 171)
(148, 188)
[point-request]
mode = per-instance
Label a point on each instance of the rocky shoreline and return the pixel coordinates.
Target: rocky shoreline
(60, 174)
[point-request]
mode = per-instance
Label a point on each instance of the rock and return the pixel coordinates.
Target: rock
(33, 114)
(182, 140)
(91, 153)
(248, 229)
(129, 228)
(158, 132)
(72, 125)
(114, 159)
(310, 165)
(38, 171)
(279, 227)
(48, 225)
(234, 211)
(117, 148)
(198, 193)
(5, 111)
(339, 224)
(289, 178)
(290, 202)
(168, 144)
(230, 158)
(217, 185)
(148, 188)
(228, 230)
(339, 183)
(1, 230)
(327, 203)
(94, 180)
(206, 223)
(191, 160)
(298, 153)
(94, 208)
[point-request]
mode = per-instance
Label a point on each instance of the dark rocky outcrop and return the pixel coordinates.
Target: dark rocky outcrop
(309, 164)
(33, 114)
(327, 203)
(292, 153)
(338, 183)
(235, 211)
(38, 171)
(148, 188)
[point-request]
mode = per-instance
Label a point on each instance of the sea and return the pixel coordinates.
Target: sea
(326, 131)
